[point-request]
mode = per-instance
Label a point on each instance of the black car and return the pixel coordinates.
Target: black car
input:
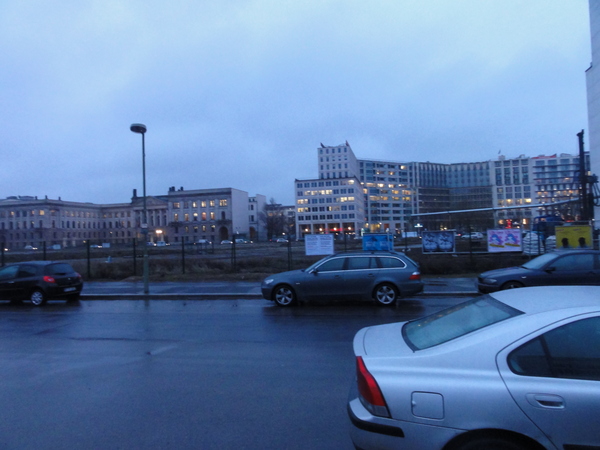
(39, 281)
(560, 267)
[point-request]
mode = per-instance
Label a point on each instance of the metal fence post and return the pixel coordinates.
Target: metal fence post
(134, 258)
(182, 255)
(89, 266)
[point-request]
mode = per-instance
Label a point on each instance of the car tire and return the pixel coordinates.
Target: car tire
(494, 443)
(511, 285)
(284, 295)
(386, 294)
(37, 297)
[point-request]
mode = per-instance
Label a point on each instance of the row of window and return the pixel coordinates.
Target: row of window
(211, 215)
(202, 203)
(326, 217)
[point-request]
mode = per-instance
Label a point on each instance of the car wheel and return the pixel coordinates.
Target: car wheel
(386, 294)
(37, 297)
(511, 285)
(493, 443)
(284, 295)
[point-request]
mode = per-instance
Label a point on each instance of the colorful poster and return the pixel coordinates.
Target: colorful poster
(504, 240)
(576, 236)
(438, 241)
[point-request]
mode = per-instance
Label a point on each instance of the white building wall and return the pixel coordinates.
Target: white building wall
(337, 161)
(593, 95)
(239, 212)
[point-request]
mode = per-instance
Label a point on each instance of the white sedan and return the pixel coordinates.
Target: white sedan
(517, 369)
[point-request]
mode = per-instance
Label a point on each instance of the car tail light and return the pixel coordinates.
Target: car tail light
(368, 389)
(415, 276)
(49, 279)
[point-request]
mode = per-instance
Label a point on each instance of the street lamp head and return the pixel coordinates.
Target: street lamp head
(138, 128)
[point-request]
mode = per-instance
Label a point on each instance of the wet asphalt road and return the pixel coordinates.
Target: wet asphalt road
(146, 374)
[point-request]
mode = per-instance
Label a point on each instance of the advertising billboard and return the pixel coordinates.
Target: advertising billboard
(438, 241)
(374, 242)
(504, 240)
(576, 236)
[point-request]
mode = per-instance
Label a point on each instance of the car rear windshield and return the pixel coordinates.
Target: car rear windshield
(58, 269)
(456, 321)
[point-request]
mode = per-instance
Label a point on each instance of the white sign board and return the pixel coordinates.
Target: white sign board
(319, 244)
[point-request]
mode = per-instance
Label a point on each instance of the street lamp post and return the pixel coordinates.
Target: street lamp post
(141, 129)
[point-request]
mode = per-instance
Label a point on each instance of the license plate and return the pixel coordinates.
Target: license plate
(69, 289)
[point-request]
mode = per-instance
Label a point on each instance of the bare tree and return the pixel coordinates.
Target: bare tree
(274, 218)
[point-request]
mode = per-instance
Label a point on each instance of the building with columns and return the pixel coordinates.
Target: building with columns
(178, 216)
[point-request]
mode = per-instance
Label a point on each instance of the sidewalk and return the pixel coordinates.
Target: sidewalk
(123, 290)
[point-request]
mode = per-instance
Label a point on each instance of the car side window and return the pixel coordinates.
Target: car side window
(332, 265)
(26, 271)
(9, 272)
(360, 263)
(391, 263)
(570, 351)
(574, 262)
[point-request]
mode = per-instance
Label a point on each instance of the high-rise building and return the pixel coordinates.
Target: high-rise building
(399, 196)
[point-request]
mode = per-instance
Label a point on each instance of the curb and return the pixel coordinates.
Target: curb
(233, 296)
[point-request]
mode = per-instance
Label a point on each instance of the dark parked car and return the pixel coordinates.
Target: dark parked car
(39, 281)
(382, 276)
(560, 267)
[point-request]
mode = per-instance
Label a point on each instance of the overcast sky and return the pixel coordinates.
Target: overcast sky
(240, 93)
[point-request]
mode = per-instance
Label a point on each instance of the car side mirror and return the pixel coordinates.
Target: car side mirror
(550, 269)
(314, 271)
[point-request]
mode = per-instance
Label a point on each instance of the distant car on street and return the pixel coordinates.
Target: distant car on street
(282, 240)
(560, 267)
(380, 276)
(515, 370)
(226, 241)
(204, 241)
(39, 281)
(476, 235)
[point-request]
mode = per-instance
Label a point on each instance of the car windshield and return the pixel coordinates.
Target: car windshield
(540, 261)
(456, 321)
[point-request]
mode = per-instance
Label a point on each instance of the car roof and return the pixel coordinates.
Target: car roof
(369, 253)
(535, 300)
(36, 263)
(567, 251)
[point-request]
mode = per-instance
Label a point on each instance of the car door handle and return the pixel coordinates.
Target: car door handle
(548, 401)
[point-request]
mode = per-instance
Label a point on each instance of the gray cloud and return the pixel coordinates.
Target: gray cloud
(240, 93)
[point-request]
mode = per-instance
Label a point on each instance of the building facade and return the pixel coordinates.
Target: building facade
(409, 196)
(179, 216)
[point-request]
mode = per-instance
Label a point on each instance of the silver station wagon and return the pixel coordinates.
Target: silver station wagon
(379, 276)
